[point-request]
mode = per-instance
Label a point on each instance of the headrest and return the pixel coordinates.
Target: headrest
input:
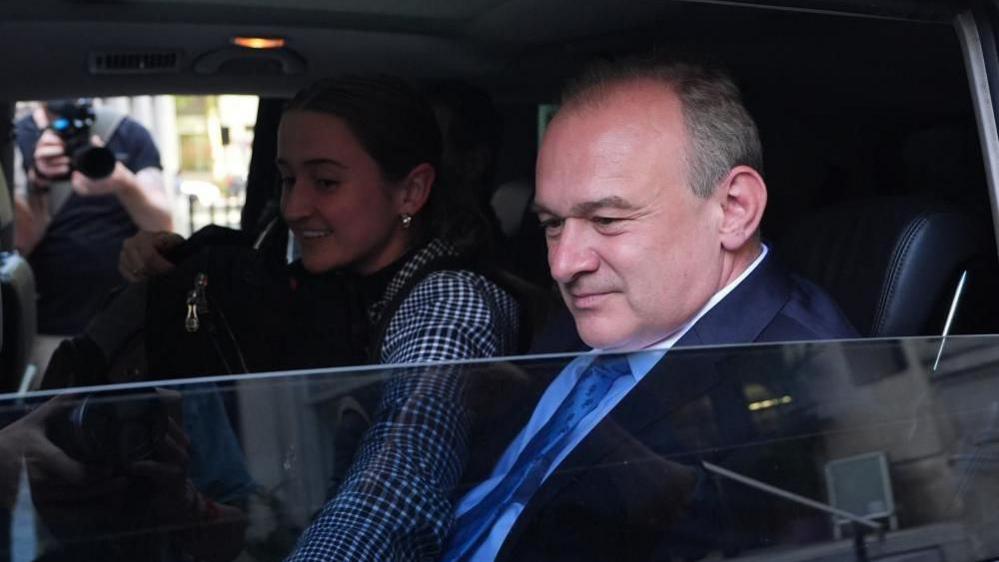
(891, 263)
(511, 201)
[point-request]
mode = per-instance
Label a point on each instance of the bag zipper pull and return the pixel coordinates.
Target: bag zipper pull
(196, 299)
(191, 323)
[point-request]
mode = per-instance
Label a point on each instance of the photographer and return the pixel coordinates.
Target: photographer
(129, 476)
(25, 438)
(72, 219)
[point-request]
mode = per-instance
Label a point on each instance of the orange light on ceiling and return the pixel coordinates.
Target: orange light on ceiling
(259, 42)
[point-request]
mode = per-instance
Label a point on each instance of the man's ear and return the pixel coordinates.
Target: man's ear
(415, 189)
(744, 198)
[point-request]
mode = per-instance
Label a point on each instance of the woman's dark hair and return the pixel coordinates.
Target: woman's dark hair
(475, 124)
(397, 128)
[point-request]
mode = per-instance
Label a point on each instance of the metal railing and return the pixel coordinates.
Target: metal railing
(225, 211)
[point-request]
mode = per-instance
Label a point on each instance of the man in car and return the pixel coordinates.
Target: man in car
(649, 190)
(70, 225)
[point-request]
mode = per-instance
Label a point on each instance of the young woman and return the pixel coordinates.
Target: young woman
(359, 162)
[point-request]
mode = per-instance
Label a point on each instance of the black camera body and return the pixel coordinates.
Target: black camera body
(73, 121)
(112, 430)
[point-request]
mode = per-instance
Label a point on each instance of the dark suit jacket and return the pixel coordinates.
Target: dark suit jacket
(634, 488)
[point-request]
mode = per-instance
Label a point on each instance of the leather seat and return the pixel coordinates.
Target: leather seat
(893, 264)
(523, 239)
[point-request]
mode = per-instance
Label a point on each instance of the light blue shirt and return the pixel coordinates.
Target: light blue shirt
(641, 363)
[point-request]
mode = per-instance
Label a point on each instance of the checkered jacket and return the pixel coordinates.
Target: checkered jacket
(394, 503)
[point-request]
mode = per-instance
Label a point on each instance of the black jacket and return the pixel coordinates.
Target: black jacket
(635, 489)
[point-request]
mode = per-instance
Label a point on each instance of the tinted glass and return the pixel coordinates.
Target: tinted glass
(759, 452)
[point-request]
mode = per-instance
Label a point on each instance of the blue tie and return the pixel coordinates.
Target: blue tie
(524, 478)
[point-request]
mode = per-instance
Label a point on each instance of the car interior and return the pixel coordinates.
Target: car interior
(877, 174)
(868, 115)
(17, 298)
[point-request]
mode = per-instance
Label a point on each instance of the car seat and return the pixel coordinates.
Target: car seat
(893, 263)
(17, 299)
(523, 239)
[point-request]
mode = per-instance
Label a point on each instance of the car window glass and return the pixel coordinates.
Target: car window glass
(204, 143)
(801, 445)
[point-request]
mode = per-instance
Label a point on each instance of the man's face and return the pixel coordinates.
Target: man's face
(635, 253)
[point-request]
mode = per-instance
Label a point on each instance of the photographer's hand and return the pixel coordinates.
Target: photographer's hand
(120, 178)
(40, 454)
(87, 187)
(31, 220)
(141, 193)
(56, 477)
(142, 255)
(50, 159)
(25, 439)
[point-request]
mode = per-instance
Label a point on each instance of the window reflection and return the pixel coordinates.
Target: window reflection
(898, 445)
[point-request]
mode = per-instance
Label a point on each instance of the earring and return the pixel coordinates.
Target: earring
(406, 220)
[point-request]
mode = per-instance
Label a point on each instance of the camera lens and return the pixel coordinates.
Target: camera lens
(95, 162)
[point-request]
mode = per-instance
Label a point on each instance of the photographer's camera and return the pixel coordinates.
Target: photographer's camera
(111, 429)
(72, 121)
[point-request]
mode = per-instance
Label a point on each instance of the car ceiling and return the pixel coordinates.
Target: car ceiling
(519, 47)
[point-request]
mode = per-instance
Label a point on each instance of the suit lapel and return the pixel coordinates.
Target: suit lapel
(742, 315)
(679, 378)
(686, 374)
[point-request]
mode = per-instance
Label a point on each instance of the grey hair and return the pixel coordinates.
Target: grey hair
(720, 130)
